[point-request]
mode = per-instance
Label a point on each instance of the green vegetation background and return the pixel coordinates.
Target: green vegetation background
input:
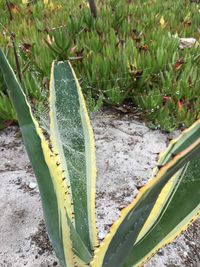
(129, 55)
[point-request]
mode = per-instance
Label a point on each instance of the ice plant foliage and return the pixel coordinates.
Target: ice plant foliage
(120, 55)
(64, 165)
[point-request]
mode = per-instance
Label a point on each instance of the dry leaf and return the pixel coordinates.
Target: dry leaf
(162, 22)
(73, 49)
(166, 98)
(14, 8)
(143, 48)
(179, 64)
(26, 47)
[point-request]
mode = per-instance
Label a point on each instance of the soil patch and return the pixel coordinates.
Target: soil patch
(126, 153)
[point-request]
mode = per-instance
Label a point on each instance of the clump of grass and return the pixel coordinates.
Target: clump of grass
(129, 53)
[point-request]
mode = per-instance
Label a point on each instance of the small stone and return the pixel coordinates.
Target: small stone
(40, 252)
(18, 180)
(102, 235)
(32, 185)
(187, 42)
(185, 254)
(160, 252)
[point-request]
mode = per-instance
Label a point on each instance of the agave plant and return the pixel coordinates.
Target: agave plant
(64, 164)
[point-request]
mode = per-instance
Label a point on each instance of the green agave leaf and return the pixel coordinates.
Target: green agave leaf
(72, 139)
(118, 245)
(176, 146)
(162, 202)
(78, 246)
(167, 220)
(181, 209)
(44, 168)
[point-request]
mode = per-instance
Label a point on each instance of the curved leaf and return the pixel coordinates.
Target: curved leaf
(182, 209)
(73, 141)
(44, 166)
(116, 248)
(177, 145)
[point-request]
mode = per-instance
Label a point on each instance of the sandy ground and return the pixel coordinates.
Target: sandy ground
(126, 152)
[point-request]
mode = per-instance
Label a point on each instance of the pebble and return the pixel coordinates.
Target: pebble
(185, 254)
(187, 42)
(32, 185)
(18, 180)
(102, 235)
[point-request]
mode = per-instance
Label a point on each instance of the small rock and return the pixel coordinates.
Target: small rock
(187, 42)
(41, 251)
(18, 180)
(102, 235)
(185, 254)
(32, 185)
(160, 252)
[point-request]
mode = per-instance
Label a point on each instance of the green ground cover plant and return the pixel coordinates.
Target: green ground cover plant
(129, 54)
